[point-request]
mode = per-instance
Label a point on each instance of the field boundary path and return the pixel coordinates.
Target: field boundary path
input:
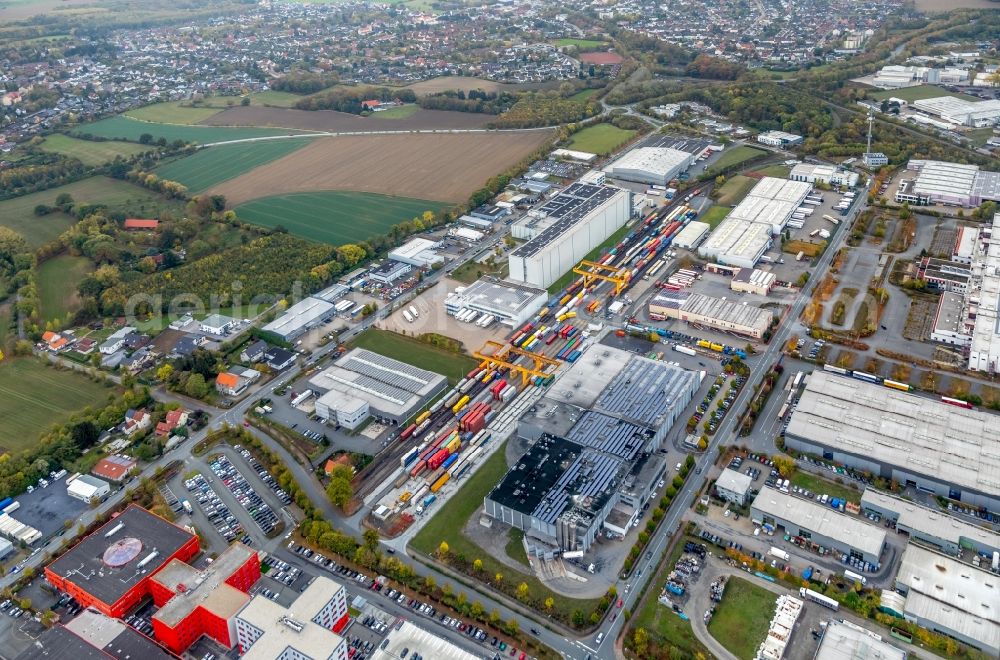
(443, 131)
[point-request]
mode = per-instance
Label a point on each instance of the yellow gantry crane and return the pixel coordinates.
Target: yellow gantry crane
(494, 354)
(591, 270)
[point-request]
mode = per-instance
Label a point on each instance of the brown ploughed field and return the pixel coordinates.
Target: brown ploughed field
(329, 120)
(442, 167)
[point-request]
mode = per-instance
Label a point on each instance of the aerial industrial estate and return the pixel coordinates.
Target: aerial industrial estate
(527, 330)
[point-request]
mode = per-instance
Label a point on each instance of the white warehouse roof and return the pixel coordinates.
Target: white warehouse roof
(952, 594)
(771, 202)
(299, 316)
(657, 162)
(691, 234)
(948, 443)
(821, 520)
(737, 242)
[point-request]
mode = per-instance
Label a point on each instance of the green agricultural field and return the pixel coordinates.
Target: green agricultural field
(89, 152)
(734, 156)
(172, 112)
(911, 94)
(19, 213)
(715, 215)
(600, 139)
(57, 282)
(741, 620)
(735, 189)
(415, 352)
(399, 112)
(34, 396)
(582, 44)
(334, 217)
(208, 167)
(126, 128)
(584, 94)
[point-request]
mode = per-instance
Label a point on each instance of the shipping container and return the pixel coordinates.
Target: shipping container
(440, 482)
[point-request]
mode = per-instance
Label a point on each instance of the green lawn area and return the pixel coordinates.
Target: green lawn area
(818, 484)
(126, 128)
(584, 94)
(34, 396)
(6, 324)
(57, 282)
(569, 275)
(415, 352)
(271, 97)
(172, 112)
(599, 139)
(90, 152)
(662, 624)
(735, 189)
(917, 93)
(450, 518)
(515, 547)
(213, 165)
(471, 271)
(714, 215)
(979, 136)
(399, 112)
(583, 44)
(734, 156)
(334, 217)
(742, 618)
(780, 171)
(18, 213)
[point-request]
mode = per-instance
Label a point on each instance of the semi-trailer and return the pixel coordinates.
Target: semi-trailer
(680, 348)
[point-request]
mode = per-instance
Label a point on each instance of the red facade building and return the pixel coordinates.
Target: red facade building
(194, 603)
(111, 569)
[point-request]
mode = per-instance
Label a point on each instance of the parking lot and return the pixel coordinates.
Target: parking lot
(267, 520)
(218, 514)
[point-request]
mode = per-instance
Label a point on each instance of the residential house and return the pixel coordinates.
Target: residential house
(143, 358)
(140, 224)
(174, 419)
(135, 421)
(181, 323)
(85, 346)
(55, 341)
(230, 384)
(279, 358)
(135, 340)
(114, 468)
(116, 341)
(254, 352)
(217, 324)
(186, 345)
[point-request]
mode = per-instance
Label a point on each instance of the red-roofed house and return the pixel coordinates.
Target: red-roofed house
(173, 419)
(141, 224)
(114, 468)
(54, 340)
(86, 346)
(230, 384)
(371, 104)
(136, 420)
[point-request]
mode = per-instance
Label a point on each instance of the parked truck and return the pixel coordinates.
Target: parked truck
(680, 348)
(779, 553)
(426, 503)
(187, 506)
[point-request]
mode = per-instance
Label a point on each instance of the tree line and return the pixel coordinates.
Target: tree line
(350, 99)
(535, 109)
(476, 100)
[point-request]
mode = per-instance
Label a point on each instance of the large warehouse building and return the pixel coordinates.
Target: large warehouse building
(811, 173)
(300, 317)
(974, 114)
(931, 526)
(593, 462)
(512, 304)
(843, 640)
(984, 348)
(93, 636)
(950, 184)
(737, 242)
(692, 234)
(111, 569)
(950, 597)
(946, 450)
(716, 313)
(362, 384)
(417, 252)
(819, 524)
(655, 166)
(585, 216)
(771, 202)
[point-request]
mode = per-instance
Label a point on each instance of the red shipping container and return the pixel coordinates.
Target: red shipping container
(418, 468)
